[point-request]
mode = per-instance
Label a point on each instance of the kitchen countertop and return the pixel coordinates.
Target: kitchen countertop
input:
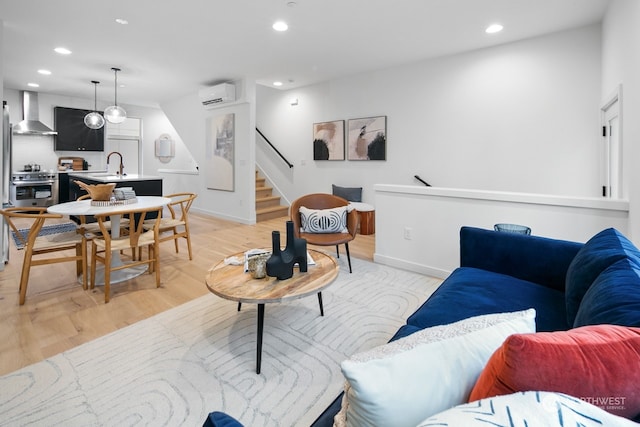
(107, 177)
(83, 172)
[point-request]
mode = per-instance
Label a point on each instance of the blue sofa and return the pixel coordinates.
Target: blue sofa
(569, 284)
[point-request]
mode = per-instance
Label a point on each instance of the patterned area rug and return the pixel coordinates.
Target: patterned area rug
(44, 231)
(176, 367)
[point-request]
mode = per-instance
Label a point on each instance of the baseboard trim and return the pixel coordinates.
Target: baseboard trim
(223, 216)
(411, 266)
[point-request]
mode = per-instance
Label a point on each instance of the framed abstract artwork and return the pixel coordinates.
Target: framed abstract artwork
(367, 138)
(220, 152)
(328, 140)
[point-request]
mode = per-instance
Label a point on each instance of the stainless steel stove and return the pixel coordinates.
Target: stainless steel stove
(33, 189)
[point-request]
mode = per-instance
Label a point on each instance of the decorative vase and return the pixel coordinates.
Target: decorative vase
(281, 262)
(100, 192)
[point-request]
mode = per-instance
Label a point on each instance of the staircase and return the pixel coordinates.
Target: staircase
(267, 205)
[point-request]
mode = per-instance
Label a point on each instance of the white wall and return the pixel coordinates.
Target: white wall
(189, 118)
(435, 215)
(517, 117)
(621, 65)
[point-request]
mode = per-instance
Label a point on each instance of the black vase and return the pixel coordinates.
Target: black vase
(281, 262)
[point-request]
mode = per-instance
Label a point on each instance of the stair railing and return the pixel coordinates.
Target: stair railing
(274, 148)
(422, 180)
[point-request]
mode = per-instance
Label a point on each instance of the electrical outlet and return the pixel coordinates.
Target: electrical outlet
(407, 233)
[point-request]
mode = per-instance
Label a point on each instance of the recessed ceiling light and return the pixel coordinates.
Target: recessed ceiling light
(277, 83)
(122, 21)
(44, 72)
(494, 28)
(280, 26)
(33, 85)
(62, 50)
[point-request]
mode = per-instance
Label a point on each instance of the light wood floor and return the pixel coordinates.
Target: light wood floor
(59, 314)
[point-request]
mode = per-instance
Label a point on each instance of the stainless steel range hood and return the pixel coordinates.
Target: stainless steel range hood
(31, 125)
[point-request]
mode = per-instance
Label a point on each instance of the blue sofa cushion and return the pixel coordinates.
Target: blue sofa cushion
(471, 292)
(220, 419)
(532, 258)
(613, 298)
(601, 251)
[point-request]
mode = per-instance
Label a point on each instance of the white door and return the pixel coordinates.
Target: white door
(612, 148)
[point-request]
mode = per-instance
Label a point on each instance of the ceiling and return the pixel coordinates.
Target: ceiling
(171, 49)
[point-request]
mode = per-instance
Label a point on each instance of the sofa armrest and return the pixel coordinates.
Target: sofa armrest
(536, 259)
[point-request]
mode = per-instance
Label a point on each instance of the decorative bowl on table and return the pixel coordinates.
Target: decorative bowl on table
(98, 192)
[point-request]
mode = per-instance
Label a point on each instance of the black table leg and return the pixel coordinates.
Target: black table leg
(260, 328)
(320, 302)
(239, 306)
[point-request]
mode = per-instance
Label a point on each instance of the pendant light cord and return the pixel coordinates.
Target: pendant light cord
(115, 71)
(95, 95)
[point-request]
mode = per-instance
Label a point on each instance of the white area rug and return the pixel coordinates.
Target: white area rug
(176, 367)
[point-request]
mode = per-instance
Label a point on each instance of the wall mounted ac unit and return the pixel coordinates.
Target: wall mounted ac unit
(213, 96)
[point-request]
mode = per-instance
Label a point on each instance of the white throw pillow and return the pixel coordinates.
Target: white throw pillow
(529, 408)
(332, 220)
(407, 380)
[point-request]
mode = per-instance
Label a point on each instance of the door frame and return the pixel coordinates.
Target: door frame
(611, 164)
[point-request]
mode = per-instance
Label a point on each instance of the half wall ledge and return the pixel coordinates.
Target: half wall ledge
(425, 237)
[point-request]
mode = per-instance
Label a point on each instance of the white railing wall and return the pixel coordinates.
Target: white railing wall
(417, 228)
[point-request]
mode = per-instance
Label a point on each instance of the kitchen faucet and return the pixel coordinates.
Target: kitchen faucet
(121, 165)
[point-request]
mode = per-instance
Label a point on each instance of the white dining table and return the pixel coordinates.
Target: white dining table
(84, 207)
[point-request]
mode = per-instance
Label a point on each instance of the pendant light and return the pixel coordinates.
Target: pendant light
(115, 114)
(94, 120)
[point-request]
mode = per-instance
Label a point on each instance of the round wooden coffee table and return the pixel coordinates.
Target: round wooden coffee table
(232, 283)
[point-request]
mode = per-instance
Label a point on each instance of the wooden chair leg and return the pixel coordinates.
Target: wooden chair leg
(188, 237)
(151, 254)
(156, 262)
(93, 265)
(24, 277)
(107, 276)
(175, 239)
(78, 261)
(81, 263)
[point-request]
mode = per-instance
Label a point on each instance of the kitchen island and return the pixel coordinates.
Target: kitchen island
(143, 185)
(63, 183)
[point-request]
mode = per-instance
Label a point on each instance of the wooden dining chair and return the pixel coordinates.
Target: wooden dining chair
(138, 237)
(36, 246)
(319, 202)
(92, 228)
(176, 226)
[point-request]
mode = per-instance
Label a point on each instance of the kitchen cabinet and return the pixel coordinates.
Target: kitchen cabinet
(131, 128)
(73, 134)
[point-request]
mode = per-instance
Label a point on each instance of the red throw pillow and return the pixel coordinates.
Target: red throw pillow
(599, 364)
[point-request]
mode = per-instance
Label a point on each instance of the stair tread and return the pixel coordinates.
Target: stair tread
(272, 209)
(265, 198)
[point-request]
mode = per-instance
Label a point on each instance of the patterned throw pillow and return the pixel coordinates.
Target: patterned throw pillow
(323, 220)
(530, 408)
